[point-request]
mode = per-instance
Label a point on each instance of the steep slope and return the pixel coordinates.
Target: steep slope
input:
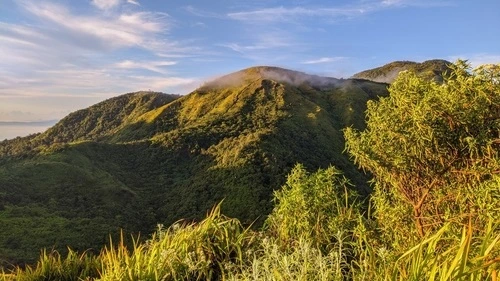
(141, 159)
(99, 122)
(431, 69)
(103, 120)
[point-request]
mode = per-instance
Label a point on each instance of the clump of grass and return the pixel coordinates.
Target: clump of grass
(444, 257)
(52, 266)
(198, 251)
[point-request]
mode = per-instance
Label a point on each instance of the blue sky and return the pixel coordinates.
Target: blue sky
(57, 56)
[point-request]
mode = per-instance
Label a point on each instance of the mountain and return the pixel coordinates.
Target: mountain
(28, 123)
(431, 69)
(144, 158)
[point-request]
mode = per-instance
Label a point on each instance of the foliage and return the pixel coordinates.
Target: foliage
(182, 252)
(435, 70)
(106, 118)
(466, 258)
(314, 207)
(220, 248)
(433, 149)
(302, 262)
(52, 267)
(444, 145)
(142, 158)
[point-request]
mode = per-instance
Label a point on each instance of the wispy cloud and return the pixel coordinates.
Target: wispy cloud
(393, 2)
(324, 60)
(332, 13)
(117, 30)
(91, 82)
(263, 47)
(134, 2)
(73, 58)
(202, 13)
(154, 66)
(287, 14)
(268, 43)
(416, 3)
(105, 4)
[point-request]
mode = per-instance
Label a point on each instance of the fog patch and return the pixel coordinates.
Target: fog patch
(281, 75)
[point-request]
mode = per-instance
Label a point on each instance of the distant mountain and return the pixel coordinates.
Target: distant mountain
(28, 123)
(145, 158)
(103, 120)
(431, 69)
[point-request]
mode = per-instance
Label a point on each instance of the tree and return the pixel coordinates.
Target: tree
(314, 207)
(433, 150)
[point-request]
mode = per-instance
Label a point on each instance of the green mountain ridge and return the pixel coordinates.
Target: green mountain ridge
(430, 69)
(144, 158)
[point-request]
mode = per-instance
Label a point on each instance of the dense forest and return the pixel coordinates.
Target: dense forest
(429, 148)
(145, 158)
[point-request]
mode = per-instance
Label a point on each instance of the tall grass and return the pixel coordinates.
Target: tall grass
(220, 248)
(52, 266)
(182, 252)
(337, 241)
(468, 258)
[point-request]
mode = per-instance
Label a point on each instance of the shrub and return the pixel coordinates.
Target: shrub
(434, 152)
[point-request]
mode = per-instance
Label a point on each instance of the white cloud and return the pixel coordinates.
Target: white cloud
(263, 40)
(416, 3)
(112, 31)
(133, 2)
(154, 66)
(288, 14)
(105, 4)
(202, 13)
(160, 83)
(392, 2)
(241, 48)
(68, 60)
(92, 83)
(323, 60)
(267, 46)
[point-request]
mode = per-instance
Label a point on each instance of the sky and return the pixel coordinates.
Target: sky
(58, 56)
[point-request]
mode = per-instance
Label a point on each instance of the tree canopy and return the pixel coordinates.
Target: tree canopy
(433, 150)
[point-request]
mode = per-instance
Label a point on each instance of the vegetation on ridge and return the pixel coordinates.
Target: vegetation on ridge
(434, 151)
(435, 70)
(320, 230)
(136, 160)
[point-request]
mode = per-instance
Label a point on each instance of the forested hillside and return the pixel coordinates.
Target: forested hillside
(434, 70)
(434, 214)
(144, 158)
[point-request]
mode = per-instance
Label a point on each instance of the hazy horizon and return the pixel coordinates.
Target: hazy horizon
(11, 130)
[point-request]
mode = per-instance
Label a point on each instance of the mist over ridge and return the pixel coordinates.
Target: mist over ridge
(283, 75)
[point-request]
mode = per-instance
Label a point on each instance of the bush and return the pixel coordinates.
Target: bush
(314, 207)
(434, 152)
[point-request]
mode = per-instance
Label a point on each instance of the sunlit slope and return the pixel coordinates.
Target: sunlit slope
(146, 158)
(431, 69)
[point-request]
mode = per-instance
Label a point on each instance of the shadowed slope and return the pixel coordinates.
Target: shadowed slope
(147, 158)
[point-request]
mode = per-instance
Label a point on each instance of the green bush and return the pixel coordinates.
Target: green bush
(314, 207)
(434, 152)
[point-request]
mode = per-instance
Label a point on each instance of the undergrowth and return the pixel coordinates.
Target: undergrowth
(221, 248)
